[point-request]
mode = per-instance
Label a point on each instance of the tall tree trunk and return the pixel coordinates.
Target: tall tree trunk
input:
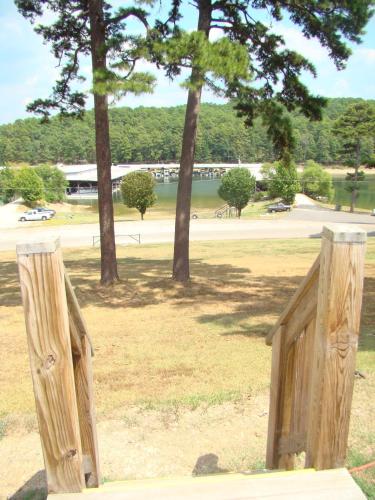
(103, 152)
(356, 168)
(181, 270)
(354, 191)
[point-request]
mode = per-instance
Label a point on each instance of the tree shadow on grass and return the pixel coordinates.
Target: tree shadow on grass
(235, 291)
(245, 304)
(10, 292)
(232, 292)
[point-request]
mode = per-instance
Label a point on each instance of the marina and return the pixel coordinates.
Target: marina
(83, 179)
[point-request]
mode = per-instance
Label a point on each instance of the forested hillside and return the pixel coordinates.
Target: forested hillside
(154, 134)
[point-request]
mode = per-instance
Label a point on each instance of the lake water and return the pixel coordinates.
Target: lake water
(366, 197)
(205, 195)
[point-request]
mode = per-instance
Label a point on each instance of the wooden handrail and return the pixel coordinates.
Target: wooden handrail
(308, 281)
(314, 344)
(60, 353)
(77, 323)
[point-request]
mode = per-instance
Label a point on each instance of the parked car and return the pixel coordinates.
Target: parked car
(34, 215)
(46, 210)
(279, 207)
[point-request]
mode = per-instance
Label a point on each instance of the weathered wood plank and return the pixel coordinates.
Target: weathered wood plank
(295, 441)
(273, 435)
(84, 387)
(77, 323)
(41, 275)
(86, 413)
(286, 460)
(279, 409)
(297, 485)
(335, 345)
(304, 313)
(307, 282)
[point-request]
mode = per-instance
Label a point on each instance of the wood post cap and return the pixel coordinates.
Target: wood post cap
(344, 233)
(40, 245)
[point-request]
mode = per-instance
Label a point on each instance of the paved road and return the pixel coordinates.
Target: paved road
(300, 223)
(322, 215)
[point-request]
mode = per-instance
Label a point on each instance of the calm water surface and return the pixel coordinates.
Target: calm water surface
(205, 195)
(366, 197)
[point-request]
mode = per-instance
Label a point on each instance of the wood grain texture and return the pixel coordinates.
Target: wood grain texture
(308, 281)
(77, 323)
(334, 351)
(302, 386)
(297, 485)
(295, 394)
(290, 389)
(86, 413)
(273, 435)
(304, 313)
(46, 316)
(279, 409)
(286, 460)
(83, 350)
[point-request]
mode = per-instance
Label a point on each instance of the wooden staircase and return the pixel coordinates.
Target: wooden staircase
(314, 345)
(289, 485)
(225, 211)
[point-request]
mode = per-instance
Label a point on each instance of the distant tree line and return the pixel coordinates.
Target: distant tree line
(144, 135)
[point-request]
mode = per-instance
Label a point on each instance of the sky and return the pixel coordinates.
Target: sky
(28, 69)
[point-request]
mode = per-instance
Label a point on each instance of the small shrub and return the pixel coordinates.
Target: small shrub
(316, 182)
(237, 187)
(137, 190)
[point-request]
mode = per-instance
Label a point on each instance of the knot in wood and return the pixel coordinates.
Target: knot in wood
(50, 361)
(71, 453)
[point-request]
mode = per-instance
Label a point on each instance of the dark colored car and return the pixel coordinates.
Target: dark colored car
(279, 207)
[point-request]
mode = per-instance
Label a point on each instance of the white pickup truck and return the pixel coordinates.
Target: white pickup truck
(35, 215)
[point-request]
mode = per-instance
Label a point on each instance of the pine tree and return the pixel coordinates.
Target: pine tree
(275, 70)
(91, 27)
(355, 127)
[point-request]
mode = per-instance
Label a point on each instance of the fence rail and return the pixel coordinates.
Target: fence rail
(135, 237)
(314, 345)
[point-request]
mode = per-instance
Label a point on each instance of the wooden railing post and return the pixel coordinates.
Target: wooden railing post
(280, 403)
(291, 351)
(84, 388)
(335, 345)
(41, 273)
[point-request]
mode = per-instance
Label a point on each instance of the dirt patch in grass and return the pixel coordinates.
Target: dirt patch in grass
(180, 372)
(137, 442)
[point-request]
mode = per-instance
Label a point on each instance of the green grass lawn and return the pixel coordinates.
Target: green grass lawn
(82, 214)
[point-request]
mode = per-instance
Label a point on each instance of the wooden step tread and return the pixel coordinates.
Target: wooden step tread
(336, 484)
